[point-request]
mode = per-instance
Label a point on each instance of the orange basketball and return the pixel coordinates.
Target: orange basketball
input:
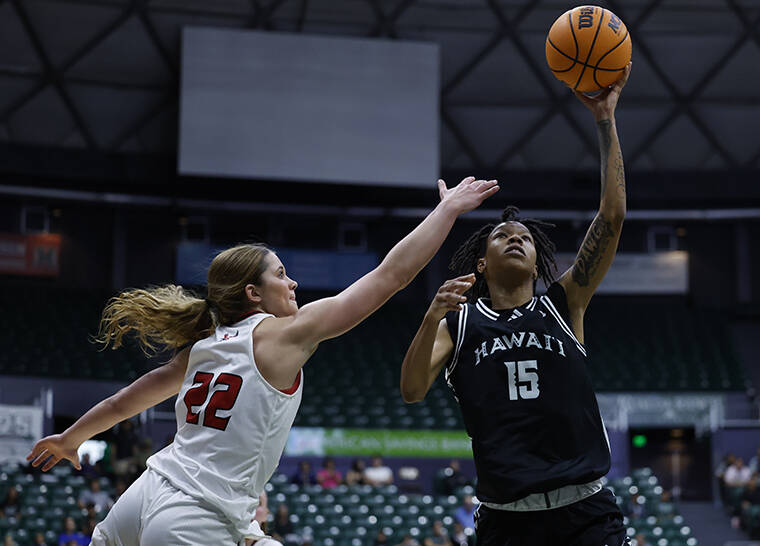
(588, 48)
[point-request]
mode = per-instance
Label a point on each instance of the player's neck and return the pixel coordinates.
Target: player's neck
(508, 297)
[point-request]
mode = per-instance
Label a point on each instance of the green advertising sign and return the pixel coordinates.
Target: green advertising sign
(389, 443)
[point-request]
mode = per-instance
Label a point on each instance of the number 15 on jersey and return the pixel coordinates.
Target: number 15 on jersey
(522, 379)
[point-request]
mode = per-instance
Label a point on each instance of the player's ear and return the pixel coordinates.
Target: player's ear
(481, 265)
(535, 273)
(252, 293)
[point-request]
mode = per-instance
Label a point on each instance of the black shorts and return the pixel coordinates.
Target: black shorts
(594, 521)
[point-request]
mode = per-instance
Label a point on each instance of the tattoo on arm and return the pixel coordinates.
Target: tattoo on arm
(605, 142)
(594, 246)
(620, 174)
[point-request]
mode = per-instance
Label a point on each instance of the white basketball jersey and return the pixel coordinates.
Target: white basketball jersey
(232, 425)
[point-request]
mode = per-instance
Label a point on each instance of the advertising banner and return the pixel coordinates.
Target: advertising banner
(33, 255)
(388, 443)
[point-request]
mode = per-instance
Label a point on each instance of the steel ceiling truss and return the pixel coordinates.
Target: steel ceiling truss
(262, 15)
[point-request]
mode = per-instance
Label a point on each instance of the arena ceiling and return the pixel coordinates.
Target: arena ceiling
(102, 76)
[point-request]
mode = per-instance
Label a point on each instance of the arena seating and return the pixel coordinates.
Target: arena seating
(662, 345)
(343, 516)
(659, 521)
(46, 500)
(749, 513)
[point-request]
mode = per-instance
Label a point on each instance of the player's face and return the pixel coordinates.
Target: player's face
(276, 289)
(510, 252)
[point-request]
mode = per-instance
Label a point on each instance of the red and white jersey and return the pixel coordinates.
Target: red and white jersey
(232, 425)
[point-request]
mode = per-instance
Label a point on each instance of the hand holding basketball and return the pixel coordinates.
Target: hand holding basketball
(603, 105)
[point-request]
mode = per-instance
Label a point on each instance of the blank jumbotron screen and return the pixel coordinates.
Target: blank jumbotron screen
(295, 107)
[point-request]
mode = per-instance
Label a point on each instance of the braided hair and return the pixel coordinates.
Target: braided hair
(465, 259)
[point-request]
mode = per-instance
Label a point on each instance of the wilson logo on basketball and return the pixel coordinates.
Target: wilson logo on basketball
(586, 18)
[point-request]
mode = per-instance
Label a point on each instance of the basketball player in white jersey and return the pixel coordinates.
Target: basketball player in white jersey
(238, 380)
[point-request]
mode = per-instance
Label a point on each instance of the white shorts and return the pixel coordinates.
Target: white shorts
(152, 512)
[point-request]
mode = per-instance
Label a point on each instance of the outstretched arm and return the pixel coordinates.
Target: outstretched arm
(151, 389)
(330, 317)
(600, 244)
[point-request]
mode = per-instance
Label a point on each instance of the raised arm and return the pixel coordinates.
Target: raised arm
(330, 317)
(600, 244)
(151, 389)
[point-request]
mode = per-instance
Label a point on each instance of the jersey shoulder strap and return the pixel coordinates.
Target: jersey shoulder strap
(556, 293)
(555, 302)
(456, 322)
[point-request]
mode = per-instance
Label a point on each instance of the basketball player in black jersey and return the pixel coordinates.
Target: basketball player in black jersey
(517, 365)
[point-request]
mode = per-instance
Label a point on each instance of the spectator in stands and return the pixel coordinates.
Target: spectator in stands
(720, 473)
(751, 492)
(355, 474)
(459, 537)
(737, 475)
(641, 540)
(142, 452)
(39, 539)
(378, 473)
(328, 477)
(723, 465)
(304, 476)
(11, 503)
(8, 541)
(439, 536)
(96, 496)
(283, 529)
(381, 539)
(754, 462)
(125, 443)
(88, 526)
(454, 479)
(91, 510)
(465, 514)
(107, 465)
(88, 469)
(408, 540)
(70, 534)
(118, 489)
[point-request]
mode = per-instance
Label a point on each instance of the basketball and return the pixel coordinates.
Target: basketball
(588, 48)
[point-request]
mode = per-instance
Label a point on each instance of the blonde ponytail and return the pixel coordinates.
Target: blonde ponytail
(164, 317)
(169, 317)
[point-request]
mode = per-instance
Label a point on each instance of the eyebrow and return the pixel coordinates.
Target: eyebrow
(502, 230)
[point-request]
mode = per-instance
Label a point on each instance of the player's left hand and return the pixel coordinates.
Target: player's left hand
(603, 105)
(468, 194)
(52, 449)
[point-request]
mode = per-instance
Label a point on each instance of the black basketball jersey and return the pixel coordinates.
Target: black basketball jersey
(520, 378)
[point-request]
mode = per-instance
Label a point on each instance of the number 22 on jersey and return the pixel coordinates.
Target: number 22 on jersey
(221, 399)
(522, 379)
